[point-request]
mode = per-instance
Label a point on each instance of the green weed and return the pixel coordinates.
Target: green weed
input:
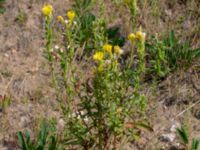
(2, 8)
(168, 54)
(4, 103)
(179, 54)
(108, 110)
(21, 17)
(46, 139)
(185, 138)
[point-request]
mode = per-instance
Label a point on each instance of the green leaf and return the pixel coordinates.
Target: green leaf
(183, 135)
(171, 38)
(196, 53)
(195, 144)
(2, 10)
(42, 136)
(53, 141)
(22, 141)
(28, 140)
(144, 125)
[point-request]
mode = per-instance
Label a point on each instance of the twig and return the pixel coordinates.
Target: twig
(187, 109)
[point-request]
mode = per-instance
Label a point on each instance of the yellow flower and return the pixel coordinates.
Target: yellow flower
(107, 48)
(60, 19)
(98, 56)
(71, 15)
(47, 10)
(131, 36)
(118, 50)
(140, 35)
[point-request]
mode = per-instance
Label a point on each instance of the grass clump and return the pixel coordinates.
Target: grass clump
(190, 144)
(170, 54)
(47, 139)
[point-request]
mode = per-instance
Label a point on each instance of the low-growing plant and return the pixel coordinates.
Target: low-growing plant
(190, 144)
(158, 58)
(21, 17)
(179, 53)
(4, 102)
(47, 139)
(169, 54)
(2, 8)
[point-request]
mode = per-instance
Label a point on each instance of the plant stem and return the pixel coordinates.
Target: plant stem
(100, 144)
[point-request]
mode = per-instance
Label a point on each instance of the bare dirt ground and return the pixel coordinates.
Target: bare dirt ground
(24, 74)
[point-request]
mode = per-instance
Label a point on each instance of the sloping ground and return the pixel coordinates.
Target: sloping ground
(24, 73)
(176, 103)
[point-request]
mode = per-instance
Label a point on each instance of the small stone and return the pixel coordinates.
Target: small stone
(168, 12)
(24, 121)
(174, 127)
(187, 24)
(61, 124)
(169, 137)
(6, 55)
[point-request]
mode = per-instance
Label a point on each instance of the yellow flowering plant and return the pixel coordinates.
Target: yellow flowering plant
(98, 111)
(118, 50)
(98, 56)
(71, 15)
(47, 10)
(138, 39)
(110, 100)
(107, 48)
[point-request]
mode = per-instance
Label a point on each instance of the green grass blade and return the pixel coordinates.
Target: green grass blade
(22, 141)
(195, 144)
(183, 135)
(53, 141)
(42, 136)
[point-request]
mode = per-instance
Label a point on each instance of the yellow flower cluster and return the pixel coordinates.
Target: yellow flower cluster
(71, 15)
(107, 48)
(105, 57)
(47, 10)
(98, 56)
(139, 35)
